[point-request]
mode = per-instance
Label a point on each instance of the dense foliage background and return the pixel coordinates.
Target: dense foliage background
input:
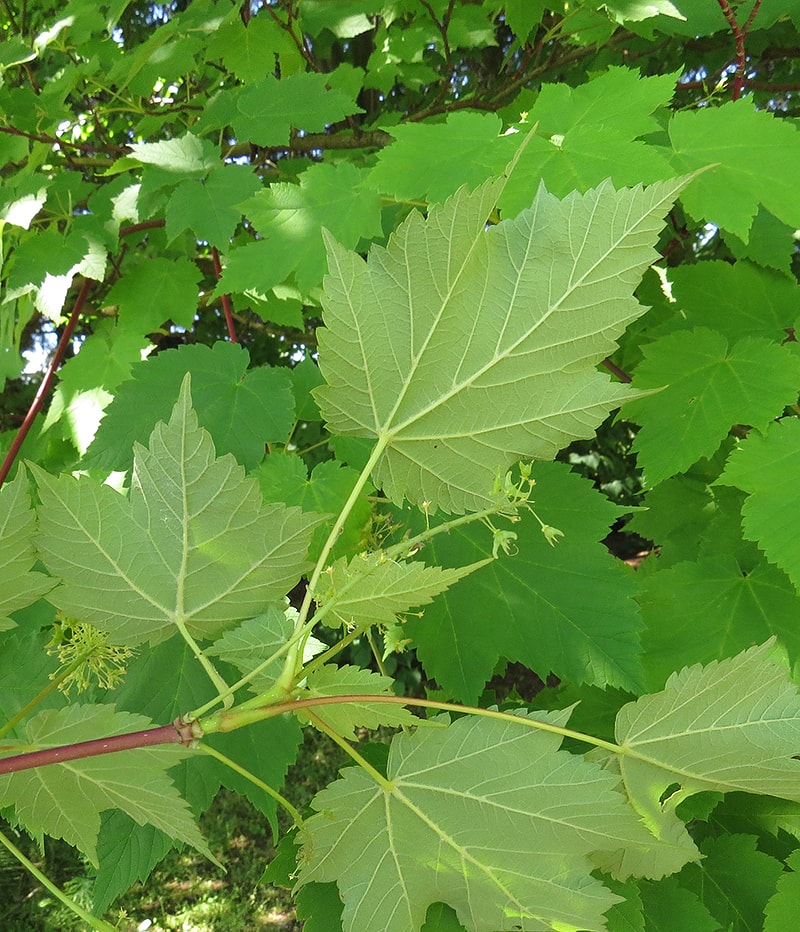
(177, 181)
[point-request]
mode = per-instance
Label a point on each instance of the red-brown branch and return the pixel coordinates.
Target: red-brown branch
(226, 300)
(47, 381)
(739, 35)
(176, 733)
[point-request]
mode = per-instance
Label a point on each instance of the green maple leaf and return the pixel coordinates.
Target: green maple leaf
(65, 800)
(523, 15)
(781, 910)
(713, 608)
(734, 882)
(709, 388)
(290, 217)
(208, 207)
(19, 585)
(193, 549)
(668, 907)
(242, 409)
(250, 51)
(26, 666)
(533, 607)
(500, 844)
(127, 853)
(345, 717)
(156, 291)
(464, 150)
(284, 478)
(731, 725)
(753, 154)
(546, 294)
(253, 642)
(187, 154)
(267, 112)
(765, 467)
(254, 268)
(371, 590)
(740, 300)
(105, 359)
(591, 132)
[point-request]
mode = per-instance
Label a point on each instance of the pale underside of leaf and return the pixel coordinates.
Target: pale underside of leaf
(65, 800)
(730, 725)
(461, 349)
(486, 816)
(194, 546)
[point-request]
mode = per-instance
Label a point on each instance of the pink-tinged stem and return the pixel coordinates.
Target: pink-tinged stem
(47, 382)
(176, 733)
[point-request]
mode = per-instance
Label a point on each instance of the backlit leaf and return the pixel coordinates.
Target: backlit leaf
(546, 294)
(730, 725)
(65, 800)
(372, 590)
(19, 584)
(486, 816)
(193, 546)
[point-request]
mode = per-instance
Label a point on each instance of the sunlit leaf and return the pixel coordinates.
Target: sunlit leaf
(546, 294)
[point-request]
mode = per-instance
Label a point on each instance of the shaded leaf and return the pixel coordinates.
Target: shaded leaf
(566, 609)
(734, 881)
(667, 906)
(242, 409)
(156, 291)
(209, 207)
(710, 609)
(284, 478)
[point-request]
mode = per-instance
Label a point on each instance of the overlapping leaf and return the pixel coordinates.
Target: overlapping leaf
(194, 546)
(486, 816)
(752, 153)
(545, 295)
(766, 467)
(345, 717)
(65, 800)
(19, 584)
(241, 408)
(708, 390)
(566, 609)
(284, 478)
(371, 590)
(290, 217)
(712, 608)
(731, 725)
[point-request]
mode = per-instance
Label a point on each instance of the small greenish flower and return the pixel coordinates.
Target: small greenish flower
(86, 656)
